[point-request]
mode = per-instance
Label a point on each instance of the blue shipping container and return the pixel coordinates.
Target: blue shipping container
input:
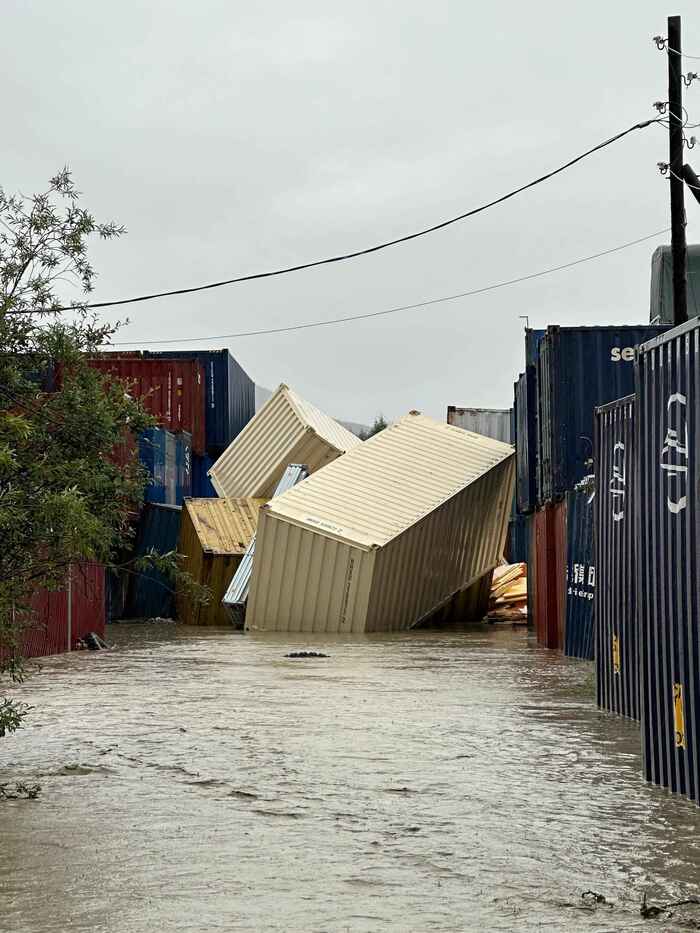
(525, 409)
(616, 618)
(579, 369)
(668, 577)
(201, 483)
(168, 459)
(580, 574)
(230, 394)
(518, 539)
(532, 345)
(151, 593)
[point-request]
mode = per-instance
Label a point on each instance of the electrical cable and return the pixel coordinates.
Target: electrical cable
(369, 249)
(680, 178)
(411, 307)
(683, 54)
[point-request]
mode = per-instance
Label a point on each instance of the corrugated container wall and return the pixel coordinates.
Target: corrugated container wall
(151, 593)
(213, 539)
(287, 429)
(616, 624)
(168, 459)
(547, 597)
(383, 536)
(579, 638)
(51, 630)
(491, 422)
(201, 483)
(229, 394)
(661, 303)
(668, 433)
(518, 548)
(525, 406)
(533, 339)
(579, 369)
(171, 390)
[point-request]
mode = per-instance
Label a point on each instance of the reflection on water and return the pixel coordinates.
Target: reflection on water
(196, 780)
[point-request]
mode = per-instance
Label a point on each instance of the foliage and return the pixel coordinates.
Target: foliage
(379, 425)
(62, 496)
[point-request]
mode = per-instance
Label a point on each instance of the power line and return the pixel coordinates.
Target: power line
(412, 307)
(377, 247)
(683, 54)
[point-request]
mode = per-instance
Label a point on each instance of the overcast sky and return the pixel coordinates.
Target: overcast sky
(234, 137)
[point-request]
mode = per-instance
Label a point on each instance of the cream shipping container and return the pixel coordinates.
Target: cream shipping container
(287, 429)
(383, 536)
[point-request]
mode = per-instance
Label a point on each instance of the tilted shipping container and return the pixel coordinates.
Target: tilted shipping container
(615, 604)
(579, 368)
(661, 292)
(384, 535)
(668, 569)
(491, 422)
(287, 429)
(172, 390)
(579, 639)
(213, 539)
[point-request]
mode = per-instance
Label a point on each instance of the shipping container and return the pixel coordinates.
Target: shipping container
(151, 594)
(661, 304)
(491, 422)
(469, 605)
(236, 595)
(168, 459)
(579, 368)
(213, 539)
(547, 602)
(287, 429)
(616, 547)
(518, 548)
(60, 619)
(172, 391)
(668, 532)
(533, 339)
(525, 406)
(201, 483)
(579, 638)
(383, 536)
(229, 394)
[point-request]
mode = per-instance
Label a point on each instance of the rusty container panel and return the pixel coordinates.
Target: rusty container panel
(616, 624)
(51, 631)
(172, 390)
(668, 578)
(549, 597)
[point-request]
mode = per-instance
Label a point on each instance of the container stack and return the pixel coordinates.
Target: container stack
(201, 401)
(570, 371)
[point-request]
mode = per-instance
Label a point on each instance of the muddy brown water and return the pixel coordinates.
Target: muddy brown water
(197, 780)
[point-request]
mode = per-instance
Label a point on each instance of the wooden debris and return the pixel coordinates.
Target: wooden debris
(508, 600)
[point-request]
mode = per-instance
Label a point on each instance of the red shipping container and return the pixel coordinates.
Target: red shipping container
(50, 632)
(549, 598)
(173, 391)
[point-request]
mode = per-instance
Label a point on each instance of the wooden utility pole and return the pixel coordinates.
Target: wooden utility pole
(675, 140)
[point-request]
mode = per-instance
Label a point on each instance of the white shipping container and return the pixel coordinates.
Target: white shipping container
(492, 422)
(383, 536)
(287, 429)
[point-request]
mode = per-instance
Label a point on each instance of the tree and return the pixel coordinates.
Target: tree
(379, 425)
(62, 497)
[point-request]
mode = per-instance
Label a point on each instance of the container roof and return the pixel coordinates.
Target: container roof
(325, 426)
(224, 526)
(386, 484)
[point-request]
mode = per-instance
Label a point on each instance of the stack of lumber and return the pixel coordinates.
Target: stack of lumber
(508, 601)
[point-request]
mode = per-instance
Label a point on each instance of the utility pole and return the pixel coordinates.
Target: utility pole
(675, 140)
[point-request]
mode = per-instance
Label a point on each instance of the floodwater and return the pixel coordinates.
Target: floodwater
(197, 780)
